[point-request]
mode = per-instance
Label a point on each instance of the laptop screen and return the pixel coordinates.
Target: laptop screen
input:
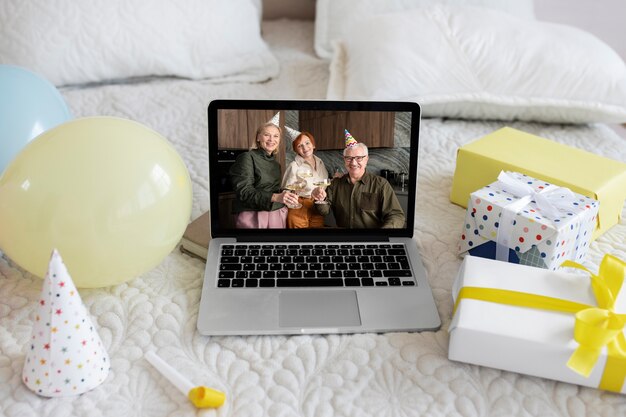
(310, 168)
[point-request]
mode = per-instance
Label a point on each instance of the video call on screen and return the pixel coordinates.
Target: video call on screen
(387, 135)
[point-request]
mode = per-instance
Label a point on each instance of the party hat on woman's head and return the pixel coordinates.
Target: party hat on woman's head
(350, 141)
(292, 133)
(65, 355)
(275, 120)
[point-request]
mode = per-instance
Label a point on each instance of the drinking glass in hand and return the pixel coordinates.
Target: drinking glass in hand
(304, 172)
(322, 184)
(295, 188)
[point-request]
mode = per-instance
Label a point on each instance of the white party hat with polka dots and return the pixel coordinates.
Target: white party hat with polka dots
(65, 355)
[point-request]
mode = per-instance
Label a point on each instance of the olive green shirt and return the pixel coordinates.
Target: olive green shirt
(369, 203)
(255, 176)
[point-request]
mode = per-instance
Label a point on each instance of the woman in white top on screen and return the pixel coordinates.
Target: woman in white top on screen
(306, 169)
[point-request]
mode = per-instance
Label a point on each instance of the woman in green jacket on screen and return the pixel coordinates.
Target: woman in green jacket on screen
(255, 175)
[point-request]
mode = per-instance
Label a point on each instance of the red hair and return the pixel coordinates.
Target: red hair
(300, 138)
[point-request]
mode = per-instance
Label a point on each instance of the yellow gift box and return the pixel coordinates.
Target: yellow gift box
(552, 324)
(479, 163)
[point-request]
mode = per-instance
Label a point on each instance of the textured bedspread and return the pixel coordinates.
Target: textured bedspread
(396, 374)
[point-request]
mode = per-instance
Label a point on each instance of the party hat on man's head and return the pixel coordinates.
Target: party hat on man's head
(292, 133)
(65, 355)
(350, 141)
(275, 120)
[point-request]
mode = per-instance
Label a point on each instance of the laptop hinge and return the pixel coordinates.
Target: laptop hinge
(317, 239)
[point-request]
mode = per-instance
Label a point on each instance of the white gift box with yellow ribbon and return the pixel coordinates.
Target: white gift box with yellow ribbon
(558, 325)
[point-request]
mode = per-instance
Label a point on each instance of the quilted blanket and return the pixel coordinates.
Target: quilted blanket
(394, 374)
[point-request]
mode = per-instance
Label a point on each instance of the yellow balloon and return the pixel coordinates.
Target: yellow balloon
(113, 196)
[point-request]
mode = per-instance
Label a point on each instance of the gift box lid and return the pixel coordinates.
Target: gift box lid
(532, 227)
(480, 162)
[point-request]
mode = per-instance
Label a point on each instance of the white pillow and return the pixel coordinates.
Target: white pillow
(334, 17)
(481, 64)
(71, 42)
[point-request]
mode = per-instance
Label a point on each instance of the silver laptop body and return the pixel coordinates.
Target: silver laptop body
(384, 303)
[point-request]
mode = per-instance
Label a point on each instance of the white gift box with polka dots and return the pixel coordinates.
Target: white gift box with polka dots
(535, 237)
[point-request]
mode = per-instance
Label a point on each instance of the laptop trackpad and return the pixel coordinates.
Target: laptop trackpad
(318, 309)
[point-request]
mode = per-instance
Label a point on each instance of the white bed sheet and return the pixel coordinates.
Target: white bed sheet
(396, 374)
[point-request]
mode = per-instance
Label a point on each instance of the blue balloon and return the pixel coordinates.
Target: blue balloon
(29, 105)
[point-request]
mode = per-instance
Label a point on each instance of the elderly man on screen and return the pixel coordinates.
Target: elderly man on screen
(359, 199)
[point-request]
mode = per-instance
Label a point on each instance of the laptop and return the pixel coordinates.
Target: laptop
(325, 279)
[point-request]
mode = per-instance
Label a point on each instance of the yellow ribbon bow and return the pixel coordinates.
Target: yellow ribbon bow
(595, 327)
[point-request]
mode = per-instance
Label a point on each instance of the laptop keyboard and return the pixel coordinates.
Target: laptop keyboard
(313, 265)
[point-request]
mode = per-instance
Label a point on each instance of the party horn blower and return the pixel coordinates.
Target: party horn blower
(201, 397)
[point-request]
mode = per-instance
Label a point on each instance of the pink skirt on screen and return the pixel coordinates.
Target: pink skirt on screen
(276, 219)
